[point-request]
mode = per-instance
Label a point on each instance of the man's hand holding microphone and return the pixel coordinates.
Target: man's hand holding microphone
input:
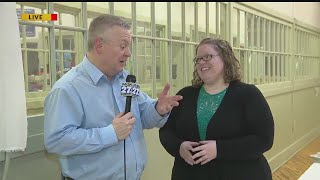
(123, 124)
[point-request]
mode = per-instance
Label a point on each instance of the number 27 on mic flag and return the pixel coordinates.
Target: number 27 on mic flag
(130, 89)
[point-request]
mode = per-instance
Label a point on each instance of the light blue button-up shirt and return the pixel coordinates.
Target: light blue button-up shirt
(78, 115)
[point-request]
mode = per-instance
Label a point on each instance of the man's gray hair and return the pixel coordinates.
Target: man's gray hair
(100, 24)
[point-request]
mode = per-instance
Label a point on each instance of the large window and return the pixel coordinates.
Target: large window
(306, 58)
(261, 45)
(46, 59)
(165, 34)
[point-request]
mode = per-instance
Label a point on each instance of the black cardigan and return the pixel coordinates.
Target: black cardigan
(242, 126)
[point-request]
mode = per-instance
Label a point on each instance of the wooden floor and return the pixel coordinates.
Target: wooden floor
(299, 163)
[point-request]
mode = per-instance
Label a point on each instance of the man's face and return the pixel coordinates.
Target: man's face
(115, 52)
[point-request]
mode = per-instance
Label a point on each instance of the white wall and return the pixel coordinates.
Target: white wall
(307, 12)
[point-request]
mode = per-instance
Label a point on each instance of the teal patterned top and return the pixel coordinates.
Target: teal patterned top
(207, 105)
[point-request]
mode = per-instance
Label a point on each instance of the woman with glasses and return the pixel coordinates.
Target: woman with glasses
(222, 126)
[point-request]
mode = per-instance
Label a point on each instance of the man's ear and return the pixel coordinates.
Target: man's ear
(98, 45)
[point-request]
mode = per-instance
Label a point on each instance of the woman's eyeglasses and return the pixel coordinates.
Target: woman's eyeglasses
(205, 58)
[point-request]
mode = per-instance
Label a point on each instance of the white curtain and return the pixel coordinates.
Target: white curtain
(13, 116)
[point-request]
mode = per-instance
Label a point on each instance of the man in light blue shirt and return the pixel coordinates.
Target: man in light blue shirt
(84, 119)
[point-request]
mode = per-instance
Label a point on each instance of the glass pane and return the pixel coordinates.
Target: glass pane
(254, 68)
(255, 32)
(282, 75)
(250, 66)
(95, 9)
(262, 32)
(267, 35)
(35, 59)
(234, 24)
(177, 67)
(212, 19)
(37, 81)
(272, 67)
(36, 70)
(243, 65)
(263, 68)
(161, 19)
(242, 29)
(287, 37)
(144, 65)
(143, 18)
(69, 51)
(162, 66)
(249, 30)
(176, 21)
(281, 48)
(69, 13)
(223, 20)
(247, 61)
(38, 73)
(307, 40)
(276, 37)
(190, 53)
(277, 67)
(300, 39)
(123, 9)
(272, 34)
(260, 70)
(189, 14)
(266, 70)
(287, 66)
(303, 42)
(201, 20)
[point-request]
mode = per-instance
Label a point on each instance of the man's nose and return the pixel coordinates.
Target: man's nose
(128, 52)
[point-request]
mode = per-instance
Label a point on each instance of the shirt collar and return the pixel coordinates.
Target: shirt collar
(95, 73)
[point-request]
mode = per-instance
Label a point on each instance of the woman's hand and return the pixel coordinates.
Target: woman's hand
(205, 152)
(185, 151)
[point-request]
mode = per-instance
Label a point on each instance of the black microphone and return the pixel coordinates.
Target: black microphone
(128, 89)
(130, 79)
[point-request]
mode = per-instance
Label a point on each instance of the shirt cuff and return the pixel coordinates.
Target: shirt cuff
(161, 116)
(109, 135)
